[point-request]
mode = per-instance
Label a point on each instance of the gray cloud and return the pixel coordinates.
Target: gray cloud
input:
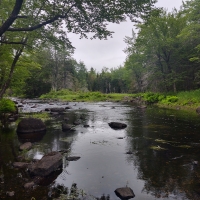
(109, 53)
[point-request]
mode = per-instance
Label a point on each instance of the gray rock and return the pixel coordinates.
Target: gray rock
(77, 122)
(58, 110)
(68, 107)
(25, 146)
(10, 194)
(30, 125)
(49, 163)
(124, 193)
(67, 127)
(117, 125)
(29, 185)
(86, 125)
(73, 158)
(20, 165)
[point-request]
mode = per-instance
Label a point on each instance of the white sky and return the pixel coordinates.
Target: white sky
(109, 53)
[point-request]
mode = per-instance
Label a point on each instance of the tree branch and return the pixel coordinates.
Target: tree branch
(12, 17)
(7, 42)
(53, 19)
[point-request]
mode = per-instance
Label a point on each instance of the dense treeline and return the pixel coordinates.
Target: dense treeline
(162, 56)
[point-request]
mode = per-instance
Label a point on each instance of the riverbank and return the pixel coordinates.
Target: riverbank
(187, 100)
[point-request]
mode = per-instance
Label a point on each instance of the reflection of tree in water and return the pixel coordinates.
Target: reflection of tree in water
(60, 192)
(167, 173)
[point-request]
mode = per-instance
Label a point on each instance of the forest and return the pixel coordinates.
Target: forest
(162, 54)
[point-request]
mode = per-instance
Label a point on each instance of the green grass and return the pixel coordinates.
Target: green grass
(183, 100)
(43, 115)
(67, 95)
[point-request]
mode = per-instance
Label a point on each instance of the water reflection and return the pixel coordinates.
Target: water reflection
(162, 160)
(31, 137)
(170, 172)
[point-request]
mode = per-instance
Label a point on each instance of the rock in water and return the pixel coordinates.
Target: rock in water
(117, 125)
(49, 163)
(25, 146)
(125, 193)
(30, 125)
(73, 158)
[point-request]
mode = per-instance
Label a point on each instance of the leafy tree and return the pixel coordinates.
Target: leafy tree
(77, 16)
(81, 75)
(155, 51)
(29, 23)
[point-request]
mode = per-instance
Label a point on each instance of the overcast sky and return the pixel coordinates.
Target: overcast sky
(109, 53)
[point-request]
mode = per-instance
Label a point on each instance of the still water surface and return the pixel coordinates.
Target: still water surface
(162, 161)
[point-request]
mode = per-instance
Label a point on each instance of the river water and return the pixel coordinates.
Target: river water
(157, 155)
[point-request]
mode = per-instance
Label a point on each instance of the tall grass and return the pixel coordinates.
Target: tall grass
(189, 97)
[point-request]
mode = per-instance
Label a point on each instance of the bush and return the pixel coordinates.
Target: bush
(7, 106)
(151, 97)
(170, 99)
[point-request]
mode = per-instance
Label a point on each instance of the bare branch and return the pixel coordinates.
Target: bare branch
(23, 17)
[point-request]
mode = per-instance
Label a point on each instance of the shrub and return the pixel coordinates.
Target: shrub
(151, 97)
(170, 99)
(7, 106)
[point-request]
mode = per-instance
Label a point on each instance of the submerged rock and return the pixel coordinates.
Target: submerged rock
(67, 127)
(86, 125)
(125, 193)
(49, 163)
(20, 165)
(29, 185)
(25, 146)
(73, 158)
(117, 125)
(29, 125)
(77, 122)
(58, 110)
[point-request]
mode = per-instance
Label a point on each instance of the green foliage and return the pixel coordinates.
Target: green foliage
(68, 95)
(151, 97)
(169, 100)
(7, 106)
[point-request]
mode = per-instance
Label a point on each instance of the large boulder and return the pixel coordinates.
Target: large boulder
(117, 125)
(30, 125)
(49, 163)
(125, 193)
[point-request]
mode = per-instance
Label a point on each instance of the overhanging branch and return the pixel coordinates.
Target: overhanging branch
(53, 19)
(12, 17)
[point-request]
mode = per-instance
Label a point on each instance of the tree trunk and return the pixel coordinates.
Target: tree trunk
(16, 58)
(12, 17)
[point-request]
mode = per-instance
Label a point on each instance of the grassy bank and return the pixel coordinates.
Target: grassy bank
(188, 100)
(67, 95)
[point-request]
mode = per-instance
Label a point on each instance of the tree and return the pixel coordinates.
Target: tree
(78, 16)
(52, 19)
(157, 48)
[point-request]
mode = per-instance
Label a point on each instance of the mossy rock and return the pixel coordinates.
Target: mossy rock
(30, 125)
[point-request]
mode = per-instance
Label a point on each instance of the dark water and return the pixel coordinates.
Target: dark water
(164, 144)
